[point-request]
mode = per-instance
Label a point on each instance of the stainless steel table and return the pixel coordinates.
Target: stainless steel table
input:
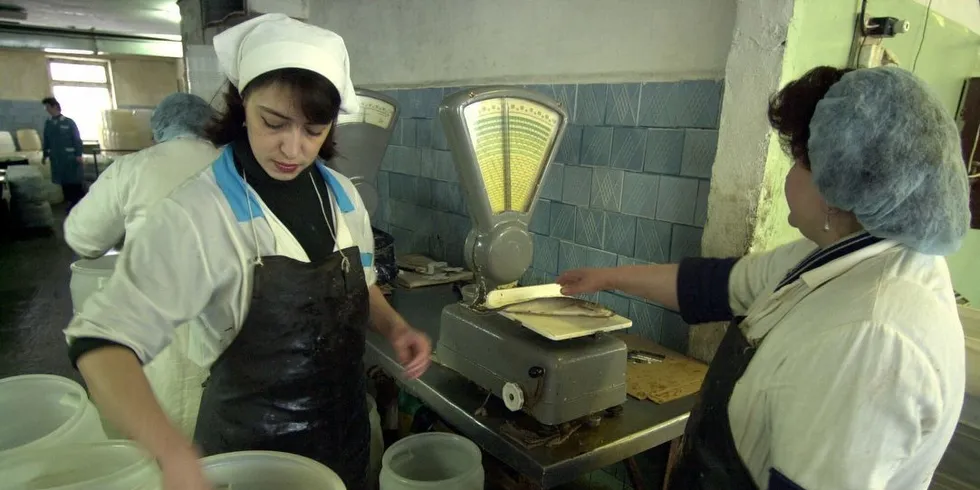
(641, 426)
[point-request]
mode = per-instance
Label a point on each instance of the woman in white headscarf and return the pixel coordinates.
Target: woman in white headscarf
(273, 251)
(843, 367)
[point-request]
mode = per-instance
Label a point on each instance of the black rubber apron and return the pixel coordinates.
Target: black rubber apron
(709, 460)
(293, 378)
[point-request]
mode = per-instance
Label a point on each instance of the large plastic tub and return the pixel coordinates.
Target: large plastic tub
(377, 443)
(116, 465)
(42, 411)
(268, 470)
(433, 460)
(88, 276)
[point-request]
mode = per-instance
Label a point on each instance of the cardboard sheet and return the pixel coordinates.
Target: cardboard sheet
(675, 377)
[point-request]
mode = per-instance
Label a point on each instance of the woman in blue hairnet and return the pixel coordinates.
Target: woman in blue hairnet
(273, 251)
(843, 365)
(116, 205)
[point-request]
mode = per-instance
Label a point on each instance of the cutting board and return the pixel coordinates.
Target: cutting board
(409, 279)
(676, 377)
(568, 327)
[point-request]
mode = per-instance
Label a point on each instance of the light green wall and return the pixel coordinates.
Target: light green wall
(948, 56)
(948, 53)
(965, 268)
(819, 34)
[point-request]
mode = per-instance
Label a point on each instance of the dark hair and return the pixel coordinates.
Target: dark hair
(318, 98)
(51, 101)
(792, 108)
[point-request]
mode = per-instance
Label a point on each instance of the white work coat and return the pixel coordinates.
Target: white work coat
(115, 205)
(117, 202)
(193, 259)
(859, 380)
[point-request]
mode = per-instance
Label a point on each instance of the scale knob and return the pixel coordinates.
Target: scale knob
(513, 396)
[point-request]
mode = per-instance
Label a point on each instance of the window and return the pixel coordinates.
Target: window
(82, 88)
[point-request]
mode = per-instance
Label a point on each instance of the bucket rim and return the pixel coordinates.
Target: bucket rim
(329, 475)
(466, 445)
(141, 465)
(78, 266)
(70, 386)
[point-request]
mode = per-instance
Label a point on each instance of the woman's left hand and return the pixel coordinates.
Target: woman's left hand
(413, 349)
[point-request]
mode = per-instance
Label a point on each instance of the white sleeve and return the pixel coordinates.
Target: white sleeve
(365, 240)
(849, 409)
(755, 274)
(98, 221)
(162, 280)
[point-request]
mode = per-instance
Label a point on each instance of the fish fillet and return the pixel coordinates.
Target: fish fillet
(559, 307)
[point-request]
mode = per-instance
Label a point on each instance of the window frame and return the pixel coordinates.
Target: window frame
(103, 63)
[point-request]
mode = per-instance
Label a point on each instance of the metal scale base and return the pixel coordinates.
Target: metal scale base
(556, 381)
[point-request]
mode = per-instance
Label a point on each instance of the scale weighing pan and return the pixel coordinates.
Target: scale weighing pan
(546, 311)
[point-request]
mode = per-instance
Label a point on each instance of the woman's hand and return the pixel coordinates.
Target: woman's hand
(588, 280)
(412, 348)
(182, 471)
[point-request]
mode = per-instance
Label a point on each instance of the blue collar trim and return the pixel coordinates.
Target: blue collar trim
(233, 186)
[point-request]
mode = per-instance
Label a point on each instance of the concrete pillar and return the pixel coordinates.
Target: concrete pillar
(774, 42)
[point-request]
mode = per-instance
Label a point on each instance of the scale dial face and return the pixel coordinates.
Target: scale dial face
(512, 139)
(373, 111)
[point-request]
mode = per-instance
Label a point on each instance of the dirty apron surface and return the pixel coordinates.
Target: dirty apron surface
(709, 460)
(293, 379)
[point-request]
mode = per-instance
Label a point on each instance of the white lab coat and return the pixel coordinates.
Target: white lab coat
(117, 201)
(115, 205)
(858, 383)
(193, 259)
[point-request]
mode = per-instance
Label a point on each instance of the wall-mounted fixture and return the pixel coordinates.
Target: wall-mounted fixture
(870, 32)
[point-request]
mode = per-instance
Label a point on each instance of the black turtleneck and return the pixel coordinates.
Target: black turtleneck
(294, 202)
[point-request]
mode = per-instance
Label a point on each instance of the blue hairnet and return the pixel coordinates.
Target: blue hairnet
(883, 147)
(180, 114)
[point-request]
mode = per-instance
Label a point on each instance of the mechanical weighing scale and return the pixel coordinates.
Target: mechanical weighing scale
(502, 141)
(362, 139)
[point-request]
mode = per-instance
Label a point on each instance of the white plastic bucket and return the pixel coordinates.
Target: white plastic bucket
(42, 411)
(377, 443)
(433, 460)
(89, 276)
(115, 465)
(267, 470)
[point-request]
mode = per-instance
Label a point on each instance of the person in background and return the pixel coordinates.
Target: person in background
(116, 206)
(62, 146)
(117, 202)
(274, 251)
(843, 365)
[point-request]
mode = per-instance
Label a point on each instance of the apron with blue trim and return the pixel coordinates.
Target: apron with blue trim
(293, 378)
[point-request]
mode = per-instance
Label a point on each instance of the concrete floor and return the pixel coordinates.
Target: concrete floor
(35, 304)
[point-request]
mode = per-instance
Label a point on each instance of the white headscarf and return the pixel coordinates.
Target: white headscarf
(275, 41)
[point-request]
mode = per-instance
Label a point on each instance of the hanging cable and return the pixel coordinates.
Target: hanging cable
(925, 25)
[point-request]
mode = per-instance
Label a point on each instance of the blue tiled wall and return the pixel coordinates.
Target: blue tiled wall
(629, 185)
(20, 114)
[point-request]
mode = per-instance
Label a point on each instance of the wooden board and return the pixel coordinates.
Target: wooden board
(411, 280)
(676, 377)
(569, 327)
